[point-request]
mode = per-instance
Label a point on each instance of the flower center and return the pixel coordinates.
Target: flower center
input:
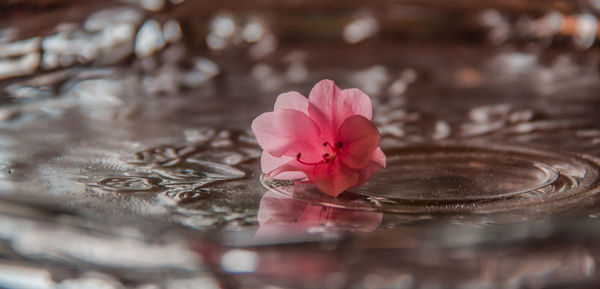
(330, 154)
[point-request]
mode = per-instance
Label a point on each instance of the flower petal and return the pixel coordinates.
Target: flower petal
(287, 132)
(360, 138)
(292, 100)
(329, 106)
(356, 102)
(377, 162)
(333, 178)
(321, 107)
(379, 158)
(273, 166)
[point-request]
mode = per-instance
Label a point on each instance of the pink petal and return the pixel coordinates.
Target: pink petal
(360, 138)
(357, 102)
(278, 167)
(329, 106)
(379, 157)
(333, 178)
(288, 132)
(292, 100)
(376, 163)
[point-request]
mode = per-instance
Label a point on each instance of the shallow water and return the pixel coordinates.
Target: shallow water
(127, 160)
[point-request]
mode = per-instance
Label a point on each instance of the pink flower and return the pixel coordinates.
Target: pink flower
(328, 138)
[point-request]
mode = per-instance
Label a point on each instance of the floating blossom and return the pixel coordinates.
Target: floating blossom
(328, 138)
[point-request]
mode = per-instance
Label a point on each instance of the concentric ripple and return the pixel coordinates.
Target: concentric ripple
(467, 179)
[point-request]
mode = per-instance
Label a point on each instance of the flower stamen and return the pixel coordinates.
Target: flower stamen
(299, 155)
(327, 157)
(338, 146)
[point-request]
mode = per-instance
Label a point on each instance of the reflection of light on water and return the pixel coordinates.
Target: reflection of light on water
(239, 261)
(107, 36)
(38, 240)
(202, 71)
(263, 47)
(372, 79)
(491, 118)
(253, 31)
(514, 63)
(498, 25)
(399, 86)
(399, 281)
(228, 30)
(360, 29)
(586, 28)
(19, 47)
(441, 131)
(108, 17)
(27, 61)
(22, 66)
(8, 34)
(98, 93)
(149, 39)
(91, 280)
(14, 276)
(268, 79)
(172, 31)
(215, 42)
(223, 25)
(581, 28)
(189, 283)
(297, 70)
(152, 5)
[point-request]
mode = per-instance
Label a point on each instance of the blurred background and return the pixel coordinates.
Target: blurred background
(127, 160)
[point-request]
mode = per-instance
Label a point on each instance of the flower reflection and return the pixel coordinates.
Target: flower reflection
(281, 217)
